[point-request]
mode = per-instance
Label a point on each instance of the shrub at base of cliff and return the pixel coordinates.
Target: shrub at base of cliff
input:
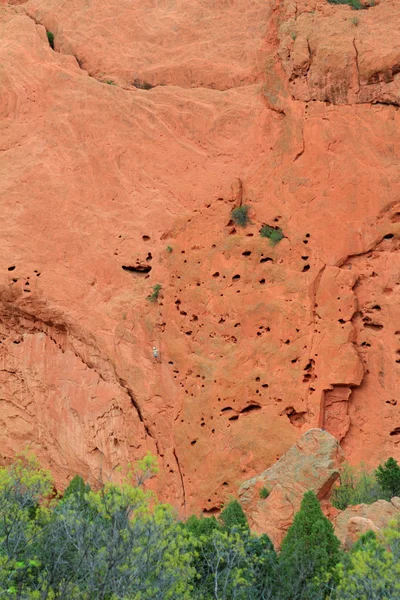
(357, 486)
(231, 563)
(114, 543)
(310, 551)
(364, 486)
(388, 476)
(371, 570)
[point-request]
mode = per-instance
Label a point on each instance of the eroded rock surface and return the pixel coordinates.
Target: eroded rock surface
(122, 154)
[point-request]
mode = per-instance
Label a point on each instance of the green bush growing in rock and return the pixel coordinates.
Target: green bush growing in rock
(50, 39)
(274, 234)
(153, 297)
(240, 215)
(264, 493)
(354, 4)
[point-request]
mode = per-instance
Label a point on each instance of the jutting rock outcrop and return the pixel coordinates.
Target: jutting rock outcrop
(122, 153)
(272, 498)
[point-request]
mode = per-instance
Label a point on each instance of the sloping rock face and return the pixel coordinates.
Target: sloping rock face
(123, 152)
(313, 463)
(351, 523)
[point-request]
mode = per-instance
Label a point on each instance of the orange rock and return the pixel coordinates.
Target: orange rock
(108, 190)
(311, 464)
(351, 523)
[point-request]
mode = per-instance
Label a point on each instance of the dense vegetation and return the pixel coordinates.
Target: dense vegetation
(120, 543)
(364, 486)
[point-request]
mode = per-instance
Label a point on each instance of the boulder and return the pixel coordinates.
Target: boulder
(312, 463)
(353, 522)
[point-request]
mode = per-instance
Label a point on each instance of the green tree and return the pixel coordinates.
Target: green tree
(388, 476)
(309, 551)
(371, 570)
(233, 516)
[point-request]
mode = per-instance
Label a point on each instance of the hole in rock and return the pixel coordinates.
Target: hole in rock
(266, 259)
(366, 345)
(257, 379)
(237, 325)
(388, 236)
(234, 418)
(376, 307)
(145, 238)
(11, 268)
(250, 408)
(246, 253)
(395, 431)
(264, 385)
(142, 85)
(306, 268)
(262, 281)
(216, 274)
(193, 442)
(392, 402)
(227, 408)
(304, 257)
(296, 418)
(371, 325)
(236, 277)
(139, 268)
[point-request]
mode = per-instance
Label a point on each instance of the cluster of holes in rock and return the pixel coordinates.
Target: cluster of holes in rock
(26, 279)
(294, 417)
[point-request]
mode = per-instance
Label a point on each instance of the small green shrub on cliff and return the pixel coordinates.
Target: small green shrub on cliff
(264, 493)
(274, 234)
(355, 4)
(240, 215)
(50, 39)
(153, 297)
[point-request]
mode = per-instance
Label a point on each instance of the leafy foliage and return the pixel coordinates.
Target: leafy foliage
(357, 486)
(274, 234)
(264, 493)
(388, 476)
(240, 215)
(118, 542)
(153, 297)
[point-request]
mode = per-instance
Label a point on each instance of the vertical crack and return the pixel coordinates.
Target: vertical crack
(182, 481)
(357, 65)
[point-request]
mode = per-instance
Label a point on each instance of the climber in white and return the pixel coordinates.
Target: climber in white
(156, 354)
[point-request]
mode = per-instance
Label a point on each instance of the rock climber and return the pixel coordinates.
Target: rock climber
(155, 353)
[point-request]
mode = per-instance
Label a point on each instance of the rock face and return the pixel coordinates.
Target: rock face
(351, 523)
(311, 464)
(123, 152)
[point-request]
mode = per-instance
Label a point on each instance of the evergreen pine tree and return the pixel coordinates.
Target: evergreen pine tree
(309, 550)
(233, 516)
(388, 476)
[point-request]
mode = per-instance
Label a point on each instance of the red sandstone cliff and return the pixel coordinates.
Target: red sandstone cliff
(288, 106)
